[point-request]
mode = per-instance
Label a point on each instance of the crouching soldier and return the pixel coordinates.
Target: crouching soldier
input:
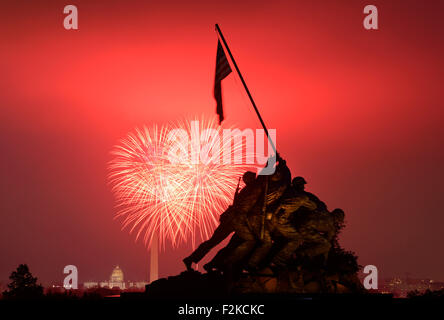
(225, 227)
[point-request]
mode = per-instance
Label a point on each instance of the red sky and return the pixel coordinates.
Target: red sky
(358, 113)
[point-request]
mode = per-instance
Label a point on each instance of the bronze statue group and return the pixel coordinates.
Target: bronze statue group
(275, 222)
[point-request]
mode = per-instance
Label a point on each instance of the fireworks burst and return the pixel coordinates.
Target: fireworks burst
(173, 199)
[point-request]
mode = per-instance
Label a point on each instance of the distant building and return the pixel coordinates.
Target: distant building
(137, 285)
(116, 280)
(90, 285)
(400, 287)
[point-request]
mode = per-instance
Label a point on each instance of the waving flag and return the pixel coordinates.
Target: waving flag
(223, 69)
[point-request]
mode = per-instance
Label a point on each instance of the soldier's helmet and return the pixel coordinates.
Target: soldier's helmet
(282, 175)
(298, 181)
(338, 214)
(249, 177)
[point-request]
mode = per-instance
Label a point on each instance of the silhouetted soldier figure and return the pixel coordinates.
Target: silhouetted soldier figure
(281, 222)
(225, 227)
(298, 184)
(245, 202)
(250, 221)
(318, 229)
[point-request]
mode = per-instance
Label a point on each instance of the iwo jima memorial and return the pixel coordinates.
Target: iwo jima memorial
(284, 239)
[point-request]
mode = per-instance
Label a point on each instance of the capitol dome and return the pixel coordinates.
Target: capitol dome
(116, 275)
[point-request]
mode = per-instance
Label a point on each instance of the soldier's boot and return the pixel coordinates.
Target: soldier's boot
(188, 262)
(208, 267)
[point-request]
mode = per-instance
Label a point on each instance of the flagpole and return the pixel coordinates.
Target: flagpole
(246, 88)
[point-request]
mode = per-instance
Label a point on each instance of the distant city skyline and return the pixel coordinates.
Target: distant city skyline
(399, 286)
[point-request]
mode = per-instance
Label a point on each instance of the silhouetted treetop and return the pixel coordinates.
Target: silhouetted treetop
(23, 284)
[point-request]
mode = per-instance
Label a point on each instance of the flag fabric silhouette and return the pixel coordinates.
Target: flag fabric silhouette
(223, 69)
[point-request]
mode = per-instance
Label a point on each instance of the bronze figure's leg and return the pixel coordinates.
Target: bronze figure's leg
(260, 253)
(239, 253)
(221, 232)
(218, 260)
(293, 239)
